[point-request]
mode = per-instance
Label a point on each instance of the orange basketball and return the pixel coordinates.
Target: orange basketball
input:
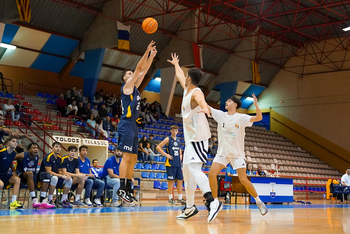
(150, 25)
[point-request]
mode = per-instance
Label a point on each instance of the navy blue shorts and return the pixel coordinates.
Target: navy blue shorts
(5, 179)
(174, 173)
(128, 138)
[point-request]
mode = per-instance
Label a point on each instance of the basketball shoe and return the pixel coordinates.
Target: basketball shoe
(188, 212)
(215, 207)
(262, 208)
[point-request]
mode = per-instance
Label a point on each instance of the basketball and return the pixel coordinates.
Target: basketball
(150, 25)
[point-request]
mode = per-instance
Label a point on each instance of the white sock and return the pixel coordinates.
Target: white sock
(64, 197)
(14, 198)
(257, 199)
(190, 186)
(77, 198)
(43, 194)
(179, 196)
(50, 197)
(32, 194)
(170, 196)
(216, 199)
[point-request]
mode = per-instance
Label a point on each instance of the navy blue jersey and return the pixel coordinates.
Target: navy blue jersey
(27, 164)
(173, 148)
(70, 165)
(130, 105)
(50, 161)
(5, 160)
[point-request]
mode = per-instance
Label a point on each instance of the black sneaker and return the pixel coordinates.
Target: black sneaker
(124, 195)
(131, 195)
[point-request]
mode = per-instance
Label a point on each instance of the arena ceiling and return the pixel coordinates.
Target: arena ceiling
(308, 30)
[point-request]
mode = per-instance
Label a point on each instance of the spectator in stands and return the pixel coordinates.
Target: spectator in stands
(72, 109)
(115, 121)
(9, 108)
(141, 155)
(160, 110)
(100, 130)
(82, 113)
(61, 104)
(88, 110)
(70, 166)
(67, 97)
(109, 128)
(148, 116)
(150, 152)
(213, 146)
(250, 171)
(111, 173)
(114, 98)
(109, 105)
(345, 179)
(91, 124)
(144, 141)
(261, 171)
(97, 171)
(152, 142)
(50, 173)
(92, 181)
(3, 130)
(153, 111)
(73, 92)
(229, 173)
(95, 111)
(21, 111)
(103, 112)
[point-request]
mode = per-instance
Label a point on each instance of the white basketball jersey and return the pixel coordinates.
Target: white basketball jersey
(195, 125)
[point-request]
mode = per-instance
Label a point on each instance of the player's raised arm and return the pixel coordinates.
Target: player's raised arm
(258, 115)
(199, 98)
(147, 65)
(179, 73)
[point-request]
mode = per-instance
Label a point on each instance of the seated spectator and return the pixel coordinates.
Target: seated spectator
(109, 128)
(345, 179)
(261, 171)
(111, 172)
(100, 130)
(141, 154)
(88, 110)
(109, 105)
(152, 142)
(91, 125)
(21, 111)
(144, 141)
(103, 113)
(61, 104)
(9, 108)
(150, 152)
(115, 121)
(153, 111)
(250, 171)
(95, 170)
(67, 97)
(160, 110)
(72, 109)
(229, 173)
(114, 98)
(82, 111)
(95, 111)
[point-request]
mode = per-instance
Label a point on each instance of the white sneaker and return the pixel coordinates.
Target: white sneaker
(115, 204)
(188, 212)
(262, 208)
(97, 202)
(215, 207)
(35, 203)
(125, 204)
(88, 202)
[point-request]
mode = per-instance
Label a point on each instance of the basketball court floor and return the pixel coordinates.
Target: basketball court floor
(155, 218)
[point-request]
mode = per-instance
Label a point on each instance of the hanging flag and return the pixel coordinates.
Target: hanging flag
(2, 28)
(197, 55)
(24, 10)
(256, 73)
(123, 36)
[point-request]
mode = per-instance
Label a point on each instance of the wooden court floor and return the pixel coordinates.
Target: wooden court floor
(154, 218)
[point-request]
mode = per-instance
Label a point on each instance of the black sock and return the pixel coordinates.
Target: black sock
(208, 197)
(33, 197)
(128, 185)
(42, 199)
(122, 184)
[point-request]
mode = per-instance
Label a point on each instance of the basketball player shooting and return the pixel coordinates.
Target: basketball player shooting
(127, 127)
(197, 133)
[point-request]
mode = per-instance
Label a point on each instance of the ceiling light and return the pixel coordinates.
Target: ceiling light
(158, 79)
(250, 98)
(346, 29)
(7, 46)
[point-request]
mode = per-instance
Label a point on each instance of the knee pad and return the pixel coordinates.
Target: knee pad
(68, 183)
(54, 180)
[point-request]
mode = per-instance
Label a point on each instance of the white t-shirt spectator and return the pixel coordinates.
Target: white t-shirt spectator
(70, 107)
(9, 107)
(346, 179)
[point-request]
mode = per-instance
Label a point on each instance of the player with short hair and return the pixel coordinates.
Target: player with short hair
(173, 164)
(70, 166)
(85, 168)
(127, 127)
(7, 155)
(26, 170)
(50, 172)
(231, 133)
(197, 132)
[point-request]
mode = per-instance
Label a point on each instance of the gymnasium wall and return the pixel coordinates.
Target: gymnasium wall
(320, 103)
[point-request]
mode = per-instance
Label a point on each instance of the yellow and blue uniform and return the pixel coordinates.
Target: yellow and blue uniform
(173, 167)
(49, 161)
(127, 127)
(27, 164)
(5, 162)
(70, 166)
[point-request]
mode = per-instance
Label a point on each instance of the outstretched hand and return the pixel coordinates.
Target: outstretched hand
(206, 111)
(255, 100)
(175, 59)
(153, 52)
(150, 46)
